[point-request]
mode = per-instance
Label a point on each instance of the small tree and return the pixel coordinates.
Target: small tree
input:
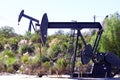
(7, 31)
(110, 41)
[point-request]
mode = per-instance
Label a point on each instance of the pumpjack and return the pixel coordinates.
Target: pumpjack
(106, 64)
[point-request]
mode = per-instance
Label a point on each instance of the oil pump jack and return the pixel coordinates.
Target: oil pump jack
(103, 61)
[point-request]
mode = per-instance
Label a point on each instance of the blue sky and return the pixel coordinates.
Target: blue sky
(57, 10)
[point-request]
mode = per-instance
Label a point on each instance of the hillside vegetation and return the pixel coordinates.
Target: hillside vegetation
(25, 53)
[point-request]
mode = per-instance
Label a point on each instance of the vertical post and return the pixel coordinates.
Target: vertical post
(94, 17)
(83, 40)
(29, 29)
(74, 55)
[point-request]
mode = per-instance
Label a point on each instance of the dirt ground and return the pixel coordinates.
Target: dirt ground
(27, 77)
(30, 77)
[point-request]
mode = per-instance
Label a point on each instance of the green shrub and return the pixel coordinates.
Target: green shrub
(25, 58)
(44, 58)
(7, 59)
(13, 42)
(23, 48)
(35, 38)
(46, 65)
(10, 61)
(34, 59)
(53, 51)
(9, 53)
(26, 48)
(60, 65)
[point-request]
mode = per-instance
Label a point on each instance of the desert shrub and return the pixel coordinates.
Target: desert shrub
(60, 65)
(23, 49)
(34, 59)
(13, 42)
(44, 58)
(26, 48)
(35, 38)
(53, 52)
(10, 61)
(25, 58)
(10, 69)
(8, 53)
(46, 65)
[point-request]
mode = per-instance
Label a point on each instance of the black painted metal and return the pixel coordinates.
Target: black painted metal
(45, 24)
(43, 28)
(30, 18)
(104, 68)
(74, 55)
(86, 54)
(75, 25)
(97, 41)
(113, 59)
(83, 40)
(96, 46)
(29, 29)
(26, 16)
